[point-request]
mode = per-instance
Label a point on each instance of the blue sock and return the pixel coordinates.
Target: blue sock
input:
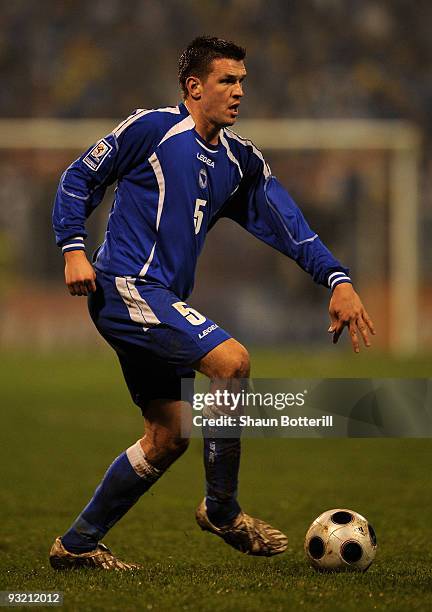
(222, 463)
(127, 478)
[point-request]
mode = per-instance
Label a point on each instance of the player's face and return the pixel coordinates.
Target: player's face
(222, 91)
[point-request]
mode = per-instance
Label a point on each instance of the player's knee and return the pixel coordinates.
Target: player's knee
(234, 364)
(228, 360)
(242, 362)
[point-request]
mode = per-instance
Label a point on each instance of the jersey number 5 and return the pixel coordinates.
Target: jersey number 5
(190, 314)
(199, 214)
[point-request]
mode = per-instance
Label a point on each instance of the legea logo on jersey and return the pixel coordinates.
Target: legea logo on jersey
(205, 159)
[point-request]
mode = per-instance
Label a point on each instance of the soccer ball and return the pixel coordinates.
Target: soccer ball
(339, 540)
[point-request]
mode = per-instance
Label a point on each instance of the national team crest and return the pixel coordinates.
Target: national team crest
(97, 155)
(202, 178)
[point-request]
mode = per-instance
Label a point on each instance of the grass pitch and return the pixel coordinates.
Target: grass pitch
(64, 418)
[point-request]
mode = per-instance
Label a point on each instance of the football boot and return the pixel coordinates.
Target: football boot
(247, 534)
(99, 558)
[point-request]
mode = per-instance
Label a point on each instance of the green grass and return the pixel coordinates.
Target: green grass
(64, 418)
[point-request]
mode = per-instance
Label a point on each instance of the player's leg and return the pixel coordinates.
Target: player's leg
(130, 475)
(227, 366)
(135, 470)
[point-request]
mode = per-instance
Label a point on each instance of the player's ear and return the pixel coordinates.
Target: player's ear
(194, 87)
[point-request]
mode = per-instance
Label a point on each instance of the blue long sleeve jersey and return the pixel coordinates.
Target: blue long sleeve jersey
(172, 187)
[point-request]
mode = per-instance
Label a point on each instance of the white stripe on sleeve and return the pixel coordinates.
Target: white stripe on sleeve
(333, 275)
(73, 245)
(339, 279)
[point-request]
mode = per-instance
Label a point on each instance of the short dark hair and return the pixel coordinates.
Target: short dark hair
(198, 56)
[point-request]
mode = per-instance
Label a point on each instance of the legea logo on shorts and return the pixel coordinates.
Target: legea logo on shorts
(207, 331)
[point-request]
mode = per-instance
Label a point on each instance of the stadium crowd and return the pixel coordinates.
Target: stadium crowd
(339, 58)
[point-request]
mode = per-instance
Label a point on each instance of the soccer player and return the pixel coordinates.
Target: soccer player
(178, 170)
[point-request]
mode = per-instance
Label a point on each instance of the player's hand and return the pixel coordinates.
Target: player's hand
(80, 276)
(346, 310)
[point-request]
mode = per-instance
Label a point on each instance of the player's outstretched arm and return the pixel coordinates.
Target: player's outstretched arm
(80, 276)
(346, 310)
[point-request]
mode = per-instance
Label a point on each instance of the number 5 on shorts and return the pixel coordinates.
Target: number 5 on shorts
(190, 314)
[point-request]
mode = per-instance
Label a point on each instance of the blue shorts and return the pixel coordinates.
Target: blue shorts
(156, 336)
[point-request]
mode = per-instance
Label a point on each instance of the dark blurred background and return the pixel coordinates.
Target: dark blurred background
(311, 59)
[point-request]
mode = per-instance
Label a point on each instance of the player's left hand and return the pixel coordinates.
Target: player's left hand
(346, 310)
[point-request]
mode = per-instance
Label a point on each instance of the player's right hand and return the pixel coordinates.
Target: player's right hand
(80, 276)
